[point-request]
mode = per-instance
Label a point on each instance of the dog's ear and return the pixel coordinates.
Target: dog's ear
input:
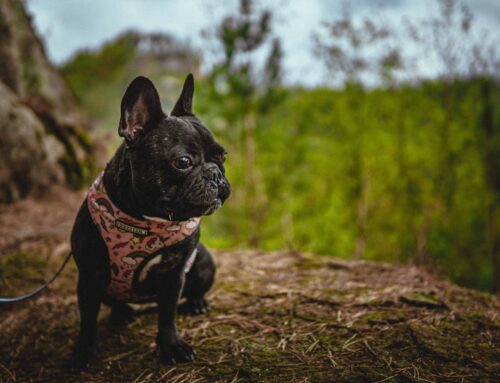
(140, 109)
(185, 102)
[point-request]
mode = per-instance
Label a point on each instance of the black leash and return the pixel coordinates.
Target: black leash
(39, 289)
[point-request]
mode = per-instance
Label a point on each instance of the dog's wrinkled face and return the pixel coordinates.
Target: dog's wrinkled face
(177, 166)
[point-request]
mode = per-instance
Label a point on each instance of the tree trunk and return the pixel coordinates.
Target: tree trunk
(255, 198)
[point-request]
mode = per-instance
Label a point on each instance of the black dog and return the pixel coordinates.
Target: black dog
(168, 170)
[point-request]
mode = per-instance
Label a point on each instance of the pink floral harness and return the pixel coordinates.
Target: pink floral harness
(132, 243)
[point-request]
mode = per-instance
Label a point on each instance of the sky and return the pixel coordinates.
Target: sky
(69, 25)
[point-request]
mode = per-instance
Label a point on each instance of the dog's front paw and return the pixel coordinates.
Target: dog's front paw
(81, 356)
(177, 351)
(194, 306)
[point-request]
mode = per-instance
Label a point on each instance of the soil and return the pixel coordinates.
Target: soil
(276, 317)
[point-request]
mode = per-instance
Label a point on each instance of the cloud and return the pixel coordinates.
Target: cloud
(70, 25)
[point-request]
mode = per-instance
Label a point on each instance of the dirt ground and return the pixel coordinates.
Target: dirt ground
(277, 317)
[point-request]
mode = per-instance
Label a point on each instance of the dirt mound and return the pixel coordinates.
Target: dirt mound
(277, 317)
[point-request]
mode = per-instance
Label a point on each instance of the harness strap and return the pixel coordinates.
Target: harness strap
(39, 289)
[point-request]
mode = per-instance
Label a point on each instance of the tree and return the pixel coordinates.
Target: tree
(243, 89)
(371, 54)
(465, 53)
(354, 55)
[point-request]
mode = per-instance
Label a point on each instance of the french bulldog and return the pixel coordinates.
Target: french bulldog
(136, 235)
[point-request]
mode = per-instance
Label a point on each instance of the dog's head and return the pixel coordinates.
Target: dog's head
(177, 167)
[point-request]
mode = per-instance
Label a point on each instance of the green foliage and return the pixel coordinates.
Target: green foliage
(355, 173)
(89, 69)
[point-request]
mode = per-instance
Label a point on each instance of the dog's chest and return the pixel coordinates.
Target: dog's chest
(134, 246)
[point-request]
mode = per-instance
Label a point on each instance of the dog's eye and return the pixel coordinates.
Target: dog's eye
(222, 157)
(182, 163)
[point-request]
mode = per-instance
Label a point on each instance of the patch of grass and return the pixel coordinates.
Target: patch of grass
(21, 269)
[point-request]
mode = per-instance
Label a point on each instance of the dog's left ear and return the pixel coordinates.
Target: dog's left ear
(140, 109)
(183, 106)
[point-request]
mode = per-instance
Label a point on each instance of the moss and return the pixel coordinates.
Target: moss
(385, 316)
(78, 172)
(21, 269)
(72, 170)
(421, 299)
(31, 78)
(83, 138)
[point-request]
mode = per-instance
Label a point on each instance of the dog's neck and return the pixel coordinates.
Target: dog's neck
(118, 183)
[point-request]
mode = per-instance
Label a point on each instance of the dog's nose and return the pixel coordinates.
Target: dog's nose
(214, 173)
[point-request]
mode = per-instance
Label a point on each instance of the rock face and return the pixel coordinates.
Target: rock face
(28, 156)
(43, 135)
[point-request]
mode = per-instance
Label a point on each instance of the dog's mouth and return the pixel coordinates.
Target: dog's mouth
(184, 211)
(195, 202)
(217, 203)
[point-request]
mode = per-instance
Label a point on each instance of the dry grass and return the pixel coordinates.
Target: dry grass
(277, 317)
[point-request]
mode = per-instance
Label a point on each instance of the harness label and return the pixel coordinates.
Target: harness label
(131, 229)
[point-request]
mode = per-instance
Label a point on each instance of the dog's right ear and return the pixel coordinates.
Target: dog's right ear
(140, 109)
(183, 106)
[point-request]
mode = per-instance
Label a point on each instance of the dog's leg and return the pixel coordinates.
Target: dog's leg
(198, 281)
(172, 348)
(121, 313)
(89, 302)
